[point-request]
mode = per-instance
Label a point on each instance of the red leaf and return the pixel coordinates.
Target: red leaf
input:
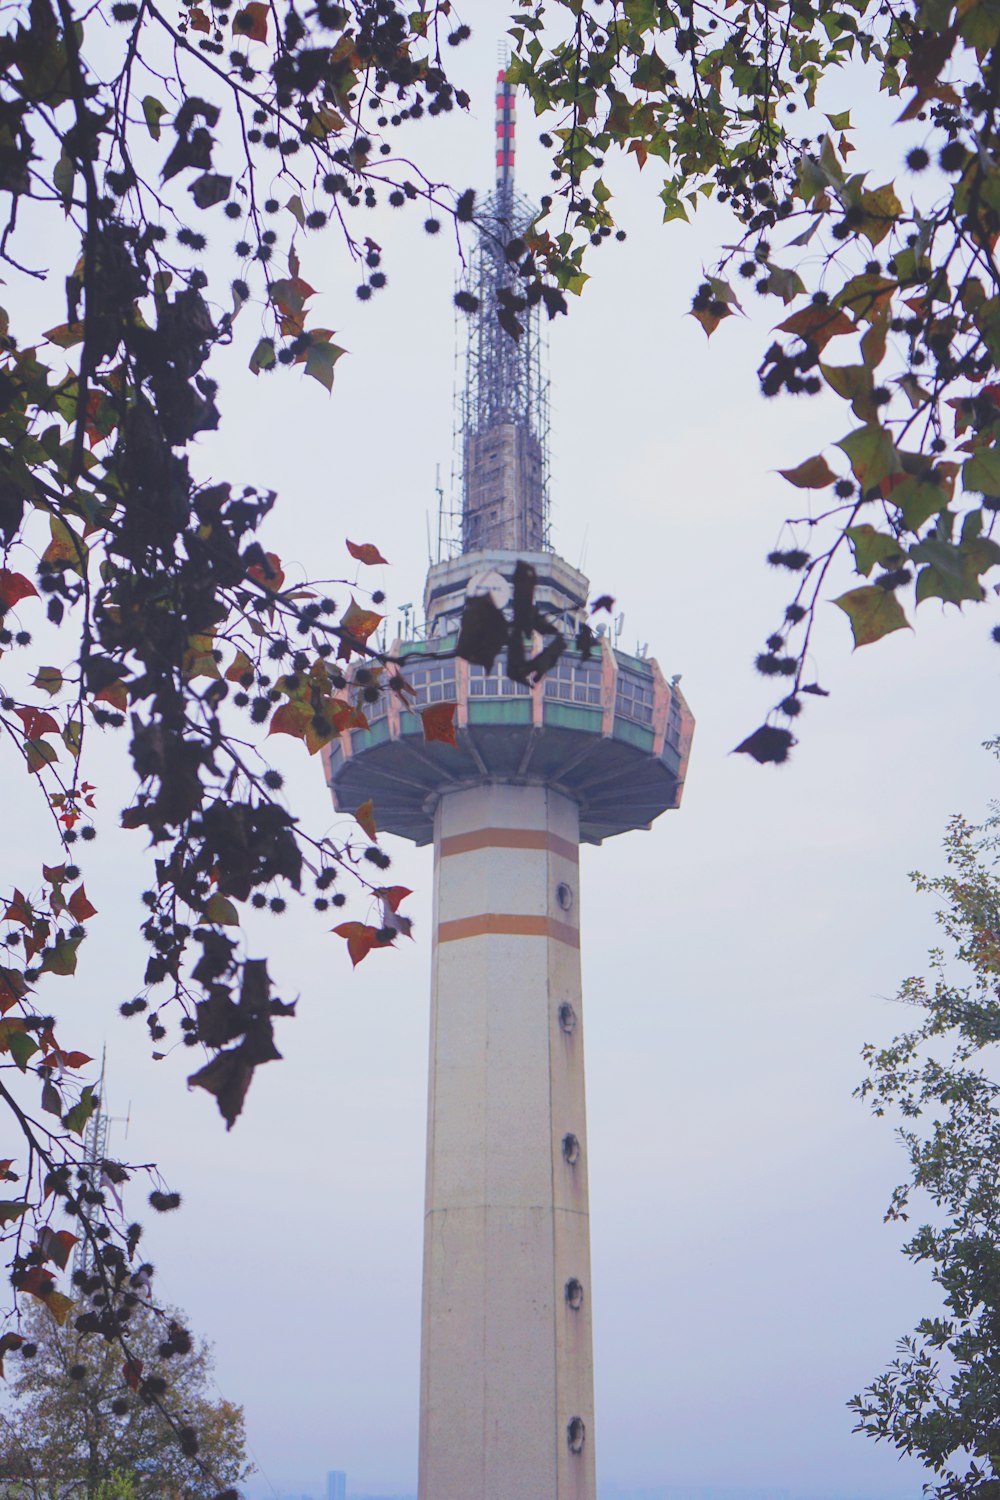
(365, 815)
(79, 906)
(56, 1244)
(18, 910)
(37, 1282)
(131, 1370)
(36, 721)
(199, 21)
(365, 552)
(14, 587)
(116, 693)
(361, 939)
(270, 577)
(392, 895)
(75, 1059)
(439, 723)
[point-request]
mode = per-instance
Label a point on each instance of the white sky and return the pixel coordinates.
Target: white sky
(735, 958)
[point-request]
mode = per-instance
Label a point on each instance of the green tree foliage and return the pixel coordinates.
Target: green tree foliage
(939, 1399)
(78, 1427)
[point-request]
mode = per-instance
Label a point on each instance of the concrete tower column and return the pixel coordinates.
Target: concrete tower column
(506, 1362)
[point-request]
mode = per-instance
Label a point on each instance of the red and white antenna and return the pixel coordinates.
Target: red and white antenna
(506, 120)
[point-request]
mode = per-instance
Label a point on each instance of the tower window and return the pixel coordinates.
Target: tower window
(576, 1434)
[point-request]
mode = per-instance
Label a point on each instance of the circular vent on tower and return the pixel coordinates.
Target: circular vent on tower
(567, 1017)
(575, 1434)
(574, 1293)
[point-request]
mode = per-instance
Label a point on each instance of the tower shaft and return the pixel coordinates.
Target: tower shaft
(506, 1363)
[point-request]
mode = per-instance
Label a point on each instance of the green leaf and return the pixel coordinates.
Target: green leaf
(320, 360)
(220, 909)
(49, 679)
(852, 383)
(263, 357)
(63, 177)
(919, 499)
(873, 613)
(154, 112)
(76, 1118)
(841, 121)
(871, 547)
(298, 213)
(872, 454)
(38, 753)
(982, 472)
(61, 958)
(23, 1047)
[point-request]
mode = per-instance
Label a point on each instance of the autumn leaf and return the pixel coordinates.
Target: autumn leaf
(9, 1212)
(359, 623)
(365, 816)
(873, 613)
(365, 552)
(361, 939)
(131, 1373)
(241, 666)
(18, 910)
(79, 906)
(291, 718)
(817, 325)
(270, 575)
(56, 1245)
(14, 587)
(36, 722)
(59, 1306)
(65, 547)
(115, 693)
(439, 723)
(251, 21)
(392, 895)
(813, 474)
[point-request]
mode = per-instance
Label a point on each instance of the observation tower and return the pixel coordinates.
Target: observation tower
(595, 747)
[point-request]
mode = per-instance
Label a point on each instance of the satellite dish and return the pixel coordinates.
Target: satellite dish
(489, 582)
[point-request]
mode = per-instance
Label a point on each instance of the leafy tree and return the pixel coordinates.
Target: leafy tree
(939, 1399)
(127, 131)
(78, 1426)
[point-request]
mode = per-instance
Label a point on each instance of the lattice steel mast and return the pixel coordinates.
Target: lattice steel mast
(504, 407)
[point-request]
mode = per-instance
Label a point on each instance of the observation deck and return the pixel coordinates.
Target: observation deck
(611, 733)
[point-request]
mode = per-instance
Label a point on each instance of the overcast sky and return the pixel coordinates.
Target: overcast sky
(735, 958)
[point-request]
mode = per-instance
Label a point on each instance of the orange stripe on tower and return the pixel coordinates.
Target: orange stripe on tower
(503, 924)
(509, 838)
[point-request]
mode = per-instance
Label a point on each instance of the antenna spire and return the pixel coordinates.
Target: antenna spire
(506, 125)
